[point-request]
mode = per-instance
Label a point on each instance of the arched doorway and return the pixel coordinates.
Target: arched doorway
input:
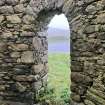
(59, 58)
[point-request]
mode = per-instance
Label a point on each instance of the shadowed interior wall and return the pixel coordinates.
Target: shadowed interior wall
(23, 49)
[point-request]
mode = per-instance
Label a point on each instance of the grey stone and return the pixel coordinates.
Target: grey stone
(25, 78)
(6, 10)
(1, 19)
(92, 28)
(101, 18)
(37, 43)
(75, 103)
(91, 9)
(26, 28)
(88, 102)
(28, 19)
(18, 47)
(2, 2)
(12, 2)
(88, 1)
(45, 80)
(2, 87)
(81, 78)
(20, 87)
(19, 8)
(7, 34)
(75, 97)
(11, 103)
(3, 47)
(44, 59)
(68, 6)
(30, 11)
(37, 85)
(59, 3)
(27, 33)
(13, 19)
(95, 99)
(15, 54)
(100, 5)
(23, 1)
(27, 57)
(37, 68)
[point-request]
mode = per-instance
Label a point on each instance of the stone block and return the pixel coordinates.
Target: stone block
(25, 78)
(26, 57)
(101, 18)
(1, 19)
(26, 28)
(27, 33)
(75, 97)
(95, 99)
(68, 6)
(28, 19)
(18, 47)
(12, 2)
(14, 19)
(15, 54)
(89, 1)
(37, 68)
(6, 10)
(20, 87)
(3, 47)
(21, 71)
(76, 66)
(80, 78)
(7, 34)
(91, 9)
(88, 102)
(45, 80)
(37, 85)
(2, 2)
(37, 44)
(91, 29)
(19, 8)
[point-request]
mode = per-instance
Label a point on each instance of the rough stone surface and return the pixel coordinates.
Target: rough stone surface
(6, 10)
(87, 53)
(13, 19)
(12, 2)
(23, 49)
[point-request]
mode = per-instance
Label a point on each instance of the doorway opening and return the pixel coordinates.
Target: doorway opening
(59, 59)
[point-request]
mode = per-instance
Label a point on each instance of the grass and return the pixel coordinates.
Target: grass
(59, 72)
(58, 90)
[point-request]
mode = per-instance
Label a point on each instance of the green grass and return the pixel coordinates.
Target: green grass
(59, 74)
(58, 89)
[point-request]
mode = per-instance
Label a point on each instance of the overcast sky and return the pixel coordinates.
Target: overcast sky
(59, 26)
(59, 34)
(59, 21)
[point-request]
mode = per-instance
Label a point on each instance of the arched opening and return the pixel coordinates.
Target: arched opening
(59, 58)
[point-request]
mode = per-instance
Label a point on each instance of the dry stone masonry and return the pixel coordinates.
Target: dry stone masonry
(87, 20)
(23, 53)
(23, 49)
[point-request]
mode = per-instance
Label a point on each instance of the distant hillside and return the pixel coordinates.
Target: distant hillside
(56, 32)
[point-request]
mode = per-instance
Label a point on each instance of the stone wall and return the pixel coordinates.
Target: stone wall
(23, 52)
(88, 52)
(23, 49)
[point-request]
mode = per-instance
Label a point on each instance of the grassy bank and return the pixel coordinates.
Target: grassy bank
(58, 90)
(59, 72)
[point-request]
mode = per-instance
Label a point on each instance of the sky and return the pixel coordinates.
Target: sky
(59, 21)
(59, 34)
